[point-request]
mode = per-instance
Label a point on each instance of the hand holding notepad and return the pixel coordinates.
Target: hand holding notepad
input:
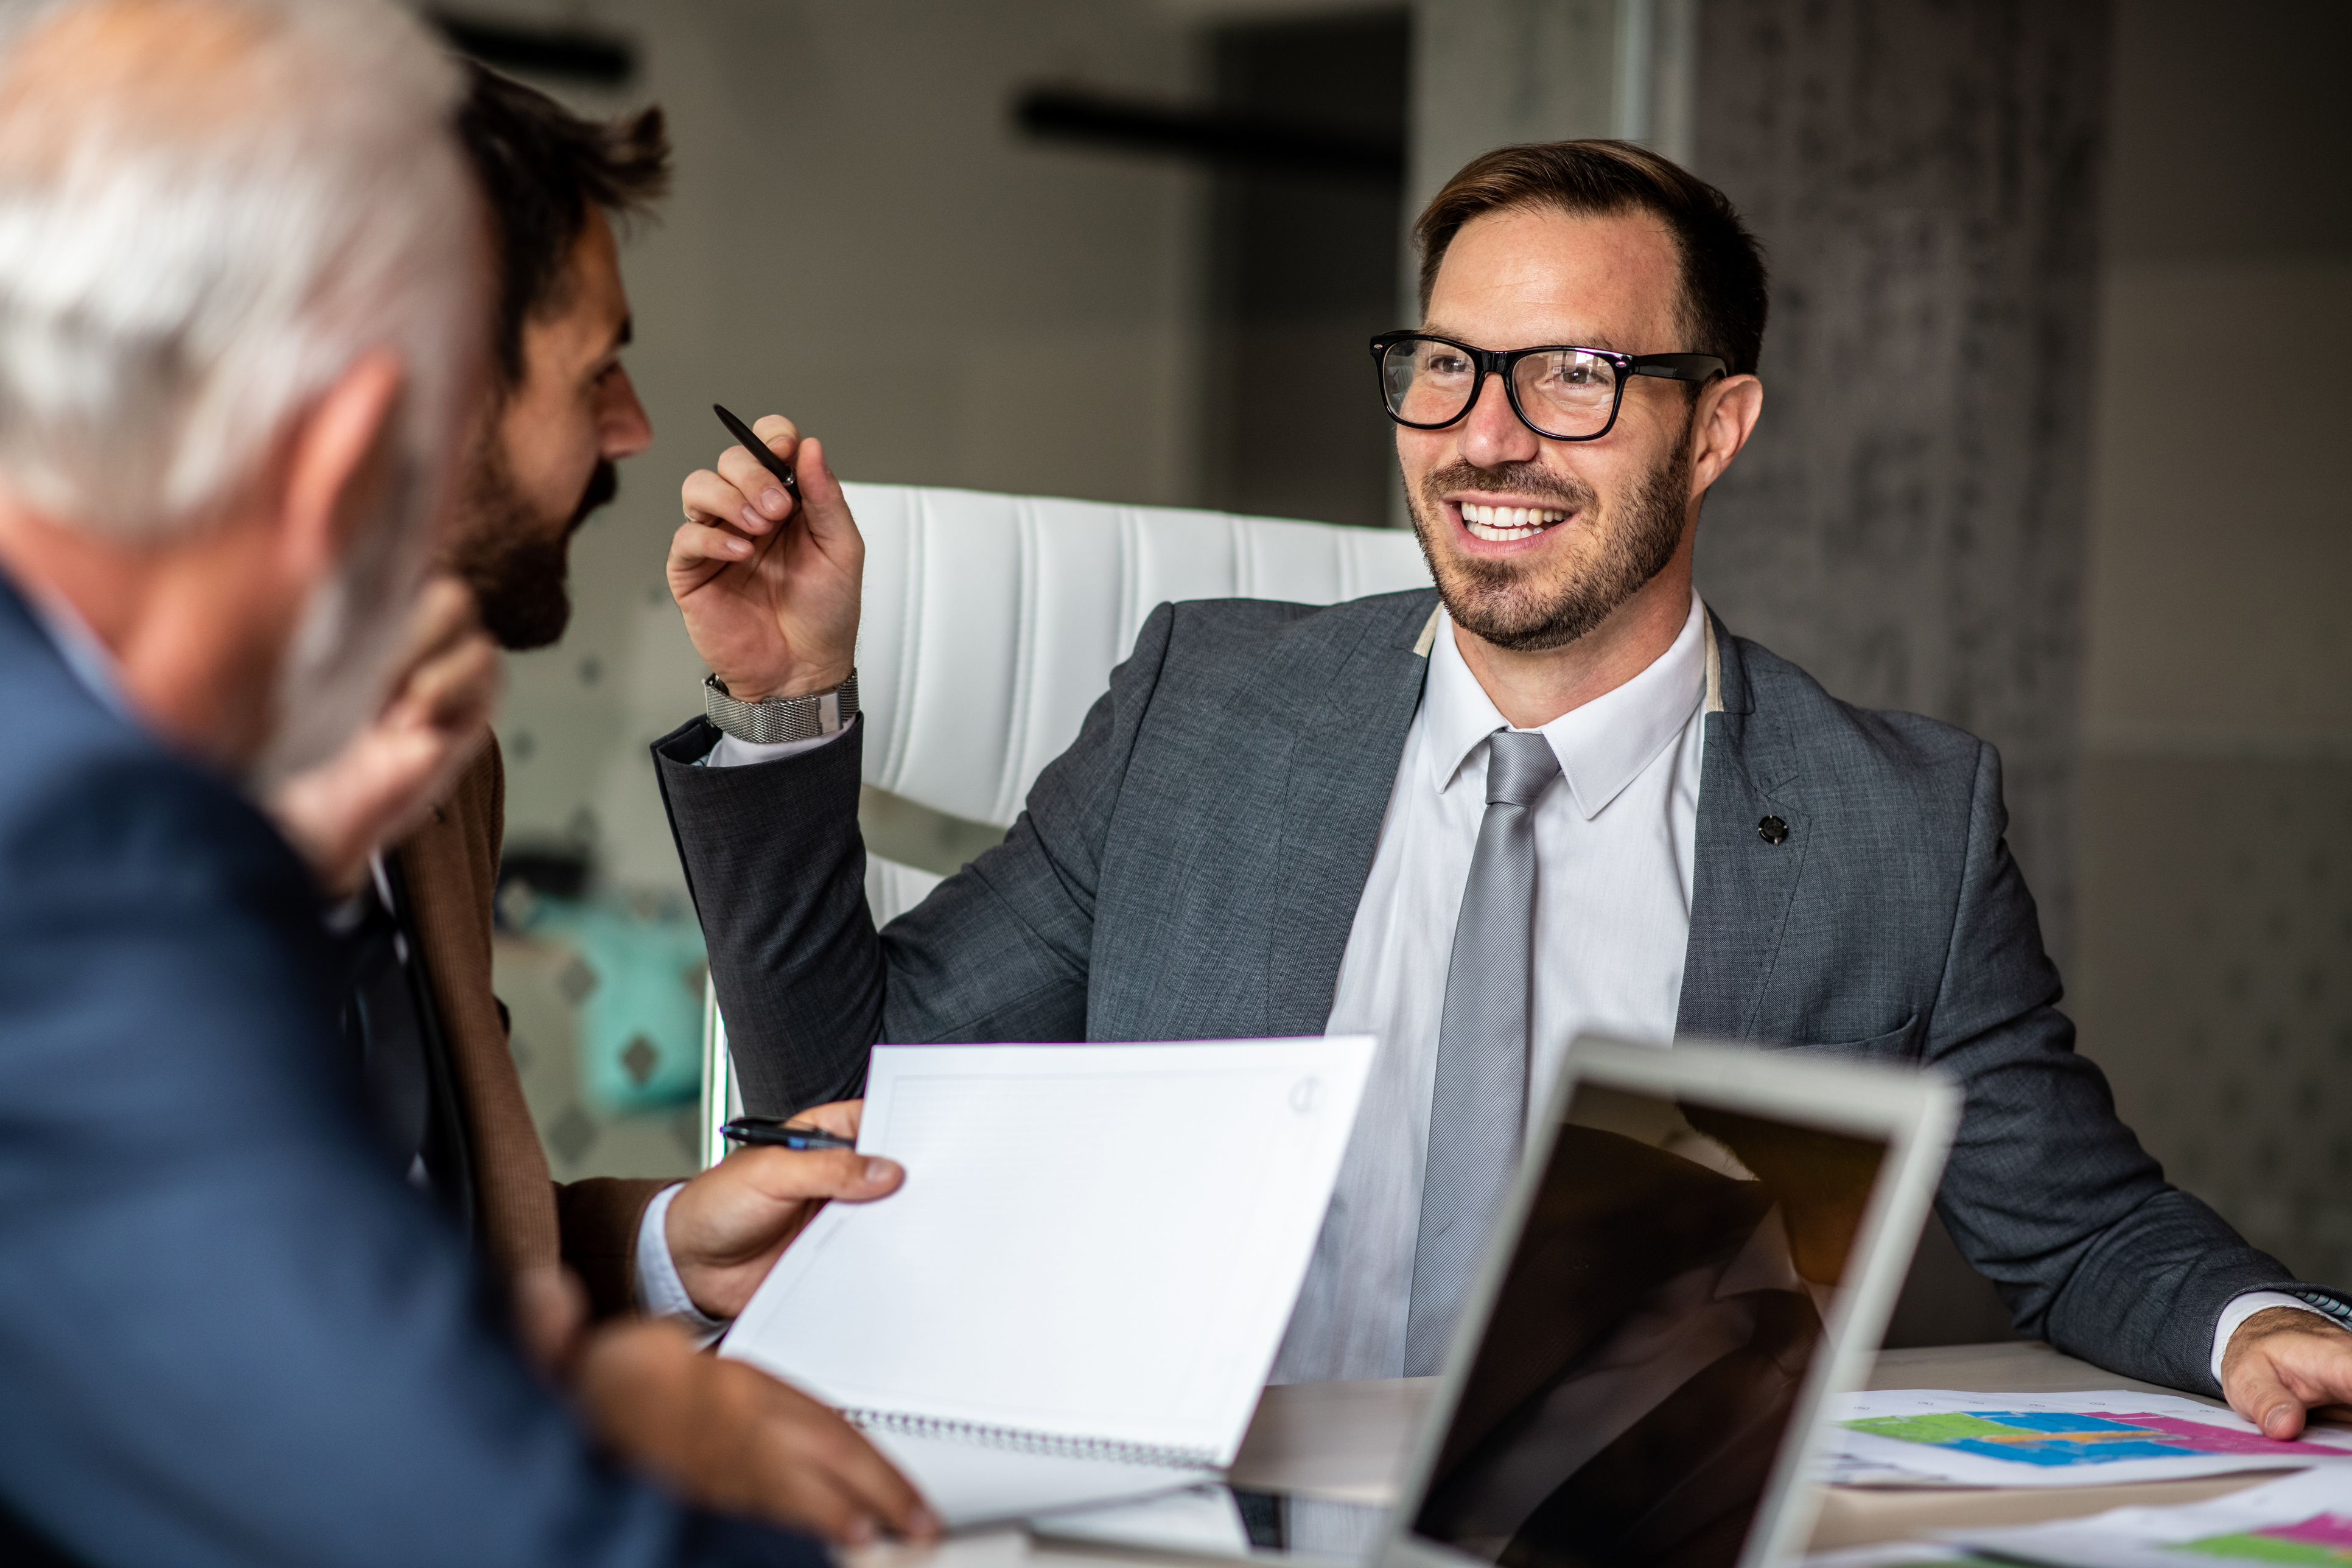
(1079, 1290)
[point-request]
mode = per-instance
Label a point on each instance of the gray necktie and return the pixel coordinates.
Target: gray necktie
(1477, 1112)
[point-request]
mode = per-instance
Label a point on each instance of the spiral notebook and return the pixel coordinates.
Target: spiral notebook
(1077, 1293)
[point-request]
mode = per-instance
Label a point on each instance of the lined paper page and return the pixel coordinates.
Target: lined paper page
(1097, 1242)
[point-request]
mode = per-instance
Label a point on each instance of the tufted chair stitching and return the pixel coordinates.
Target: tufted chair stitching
(917, 541)
(1028, 540)
(1131, 574)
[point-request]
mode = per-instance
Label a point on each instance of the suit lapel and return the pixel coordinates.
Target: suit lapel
(1342, 770)
(1744, 884)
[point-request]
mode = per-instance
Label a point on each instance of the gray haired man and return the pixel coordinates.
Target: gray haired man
(242, 296)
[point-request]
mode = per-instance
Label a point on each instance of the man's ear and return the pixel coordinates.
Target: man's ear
(1726, 416)
(336, 463)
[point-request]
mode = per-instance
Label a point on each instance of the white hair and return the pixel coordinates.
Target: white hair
(210, 210)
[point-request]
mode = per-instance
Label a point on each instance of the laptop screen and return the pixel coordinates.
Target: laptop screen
(1643, 1360)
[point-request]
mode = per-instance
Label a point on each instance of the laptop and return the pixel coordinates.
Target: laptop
(1703, 1245)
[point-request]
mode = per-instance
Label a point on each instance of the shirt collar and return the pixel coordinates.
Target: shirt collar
(76, 644)
(1602, 746)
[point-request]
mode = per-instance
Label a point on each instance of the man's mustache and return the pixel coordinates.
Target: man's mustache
(603, 485)
(1532, 480)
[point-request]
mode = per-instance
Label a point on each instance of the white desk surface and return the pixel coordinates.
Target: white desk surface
(1345, 1440)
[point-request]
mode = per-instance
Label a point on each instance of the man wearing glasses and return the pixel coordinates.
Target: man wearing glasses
(1554, 795)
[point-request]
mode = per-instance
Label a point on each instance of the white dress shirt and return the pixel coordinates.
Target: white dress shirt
(1614, 840)
(1615, 854)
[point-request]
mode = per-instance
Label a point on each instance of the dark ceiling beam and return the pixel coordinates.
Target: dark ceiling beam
(1206, 136)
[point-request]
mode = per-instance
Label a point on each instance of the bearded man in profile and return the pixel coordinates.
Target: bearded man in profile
(404, 826)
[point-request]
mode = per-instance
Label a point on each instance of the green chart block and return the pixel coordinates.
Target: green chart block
(1946, 1428)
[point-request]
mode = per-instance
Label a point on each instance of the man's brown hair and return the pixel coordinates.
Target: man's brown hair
(1724, 292)
(541, 168)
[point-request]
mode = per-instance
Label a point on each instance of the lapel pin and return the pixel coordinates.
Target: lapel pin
(1772, 830)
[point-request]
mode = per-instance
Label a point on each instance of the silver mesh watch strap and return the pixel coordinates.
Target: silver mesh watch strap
(781, 718)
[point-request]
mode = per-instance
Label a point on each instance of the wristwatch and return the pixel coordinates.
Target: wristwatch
(781, 718)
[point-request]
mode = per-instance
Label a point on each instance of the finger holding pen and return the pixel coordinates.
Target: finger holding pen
(740, 495)
(767, 485)
(769, 596)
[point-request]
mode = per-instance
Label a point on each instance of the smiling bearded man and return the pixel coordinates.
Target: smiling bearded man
(1566, 798)
(1627, 544)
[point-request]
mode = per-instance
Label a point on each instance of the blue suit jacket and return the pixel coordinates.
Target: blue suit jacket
(1191, 869)
(229, 1332)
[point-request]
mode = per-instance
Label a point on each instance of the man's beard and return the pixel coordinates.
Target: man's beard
(1517, 604)
(517, 567)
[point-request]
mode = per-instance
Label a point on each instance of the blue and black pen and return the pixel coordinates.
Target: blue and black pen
(771, 1132)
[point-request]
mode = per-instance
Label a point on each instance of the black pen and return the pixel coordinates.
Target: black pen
(771, 1132)
(758, 448)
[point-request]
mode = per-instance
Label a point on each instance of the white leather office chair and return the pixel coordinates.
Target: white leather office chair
(991, 623)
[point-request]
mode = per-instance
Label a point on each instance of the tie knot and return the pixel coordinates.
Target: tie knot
(1519, 765)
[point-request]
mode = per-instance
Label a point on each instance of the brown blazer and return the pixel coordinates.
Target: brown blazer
(523, 1218)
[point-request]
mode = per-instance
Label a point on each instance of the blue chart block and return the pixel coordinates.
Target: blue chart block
(2061, 1452)
(2053, 1421)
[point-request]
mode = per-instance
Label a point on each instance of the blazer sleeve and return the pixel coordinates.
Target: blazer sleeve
(599, 1217)
(999, 951)
(2048, 1193)
(229, 1330)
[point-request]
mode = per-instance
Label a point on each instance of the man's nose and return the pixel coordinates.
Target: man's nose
(1492, 434)
(622, 428)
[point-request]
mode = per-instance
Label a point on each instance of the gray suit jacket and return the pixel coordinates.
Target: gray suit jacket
(1189, 870)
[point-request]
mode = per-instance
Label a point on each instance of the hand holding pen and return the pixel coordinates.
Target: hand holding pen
(728, 1225)
(768, 564)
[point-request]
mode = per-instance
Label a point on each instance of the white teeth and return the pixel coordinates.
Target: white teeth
(1501, 524)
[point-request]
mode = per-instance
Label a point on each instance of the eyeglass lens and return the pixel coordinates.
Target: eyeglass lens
(1565, 393)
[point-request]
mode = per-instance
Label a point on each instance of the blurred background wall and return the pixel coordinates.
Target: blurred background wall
(2051, 447)
(2214, 979)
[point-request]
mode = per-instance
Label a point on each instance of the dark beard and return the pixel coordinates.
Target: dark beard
(1506, 605)
(518, 573)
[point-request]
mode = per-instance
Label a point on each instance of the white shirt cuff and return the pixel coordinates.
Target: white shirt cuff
(660, 1292)
(733, 752)
(2241, 1308)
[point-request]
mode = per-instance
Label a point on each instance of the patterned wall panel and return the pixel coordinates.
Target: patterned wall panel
(1907, 522)
(2215, 986)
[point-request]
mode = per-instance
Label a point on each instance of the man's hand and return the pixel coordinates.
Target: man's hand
(728, 1225)
(378, 788)
(727, 1437)
(718, 1433)
(2282, 1361)
(769, 585)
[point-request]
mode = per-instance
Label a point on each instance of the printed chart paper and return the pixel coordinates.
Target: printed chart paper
(2302, 1521)
(1935, 1436)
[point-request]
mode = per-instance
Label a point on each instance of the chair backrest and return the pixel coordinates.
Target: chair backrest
(991, 623)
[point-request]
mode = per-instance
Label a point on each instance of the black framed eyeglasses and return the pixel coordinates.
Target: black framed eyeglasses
(1561, 392)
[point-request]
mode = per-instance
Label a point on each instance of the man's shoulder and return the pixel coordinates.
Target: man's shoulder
(1248, 630)
(456, 849)
(1839, 742)
(96, 803)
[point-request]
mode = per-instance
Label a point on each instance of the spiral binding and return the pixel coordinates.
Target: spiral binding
(1026, 1442)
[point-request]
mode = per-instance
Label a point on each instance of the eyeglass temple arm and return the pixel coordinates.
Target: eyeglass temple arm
(1680, 367)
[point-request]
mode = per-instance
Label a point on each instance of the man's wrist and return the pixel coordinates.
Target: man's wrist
(773, 720)
(802, 683)
(2241, 1308)
(661, 1291)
